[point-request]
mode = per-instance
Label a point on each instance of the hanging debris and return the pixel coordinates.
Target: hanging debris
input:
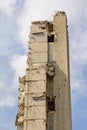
(50, 69)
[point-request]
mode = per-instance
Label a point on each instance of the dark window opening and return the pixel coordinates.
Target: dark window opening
(51, 38)
(51, 104)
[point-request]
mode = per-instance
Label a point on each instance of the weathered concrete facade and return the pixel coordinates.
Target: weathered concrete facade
(44, 92)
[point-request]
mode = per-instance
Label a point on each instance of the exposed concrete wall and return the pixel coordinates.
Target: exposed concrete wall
(35, 91)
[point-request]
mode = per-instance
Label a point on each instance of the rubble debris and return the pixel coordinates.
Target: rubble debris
(50, 69)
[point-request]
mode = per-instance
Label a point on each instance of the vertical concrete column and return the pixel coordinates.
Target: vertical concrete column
(61, 79)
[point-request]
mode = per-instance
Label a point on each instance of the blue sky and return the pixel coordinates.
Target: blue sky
(15, 19)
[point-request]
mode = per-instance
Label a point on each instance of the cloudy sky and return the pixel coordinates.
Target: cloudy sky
(15, 19)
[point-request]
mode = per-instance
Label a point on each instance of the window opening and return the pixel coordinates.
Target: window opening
(50, 104)
(51, 38)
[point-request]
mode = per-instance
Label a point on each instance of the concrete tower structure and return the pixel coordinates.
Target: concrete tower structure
(44, 92)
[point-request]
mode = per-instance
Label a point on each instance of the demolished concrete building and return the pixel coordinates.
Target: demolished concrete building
(44, 92)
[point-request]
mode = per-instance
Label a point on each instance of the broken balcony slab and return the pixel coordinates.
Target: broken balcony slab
(36, 99)
(19, 119)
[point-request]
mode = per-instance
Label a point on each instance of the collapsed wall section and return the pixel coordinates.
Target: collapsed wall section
(21, 102)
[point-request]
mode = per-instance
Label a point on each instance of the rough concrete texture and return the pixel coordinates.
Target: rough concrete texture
(44, 92)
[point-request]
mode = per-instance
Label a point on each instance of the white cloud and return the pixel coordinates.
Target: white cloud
(7, 6)
(7, 95)
(7, 101)
(18, 64)
(78, 62)
(79, 46)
